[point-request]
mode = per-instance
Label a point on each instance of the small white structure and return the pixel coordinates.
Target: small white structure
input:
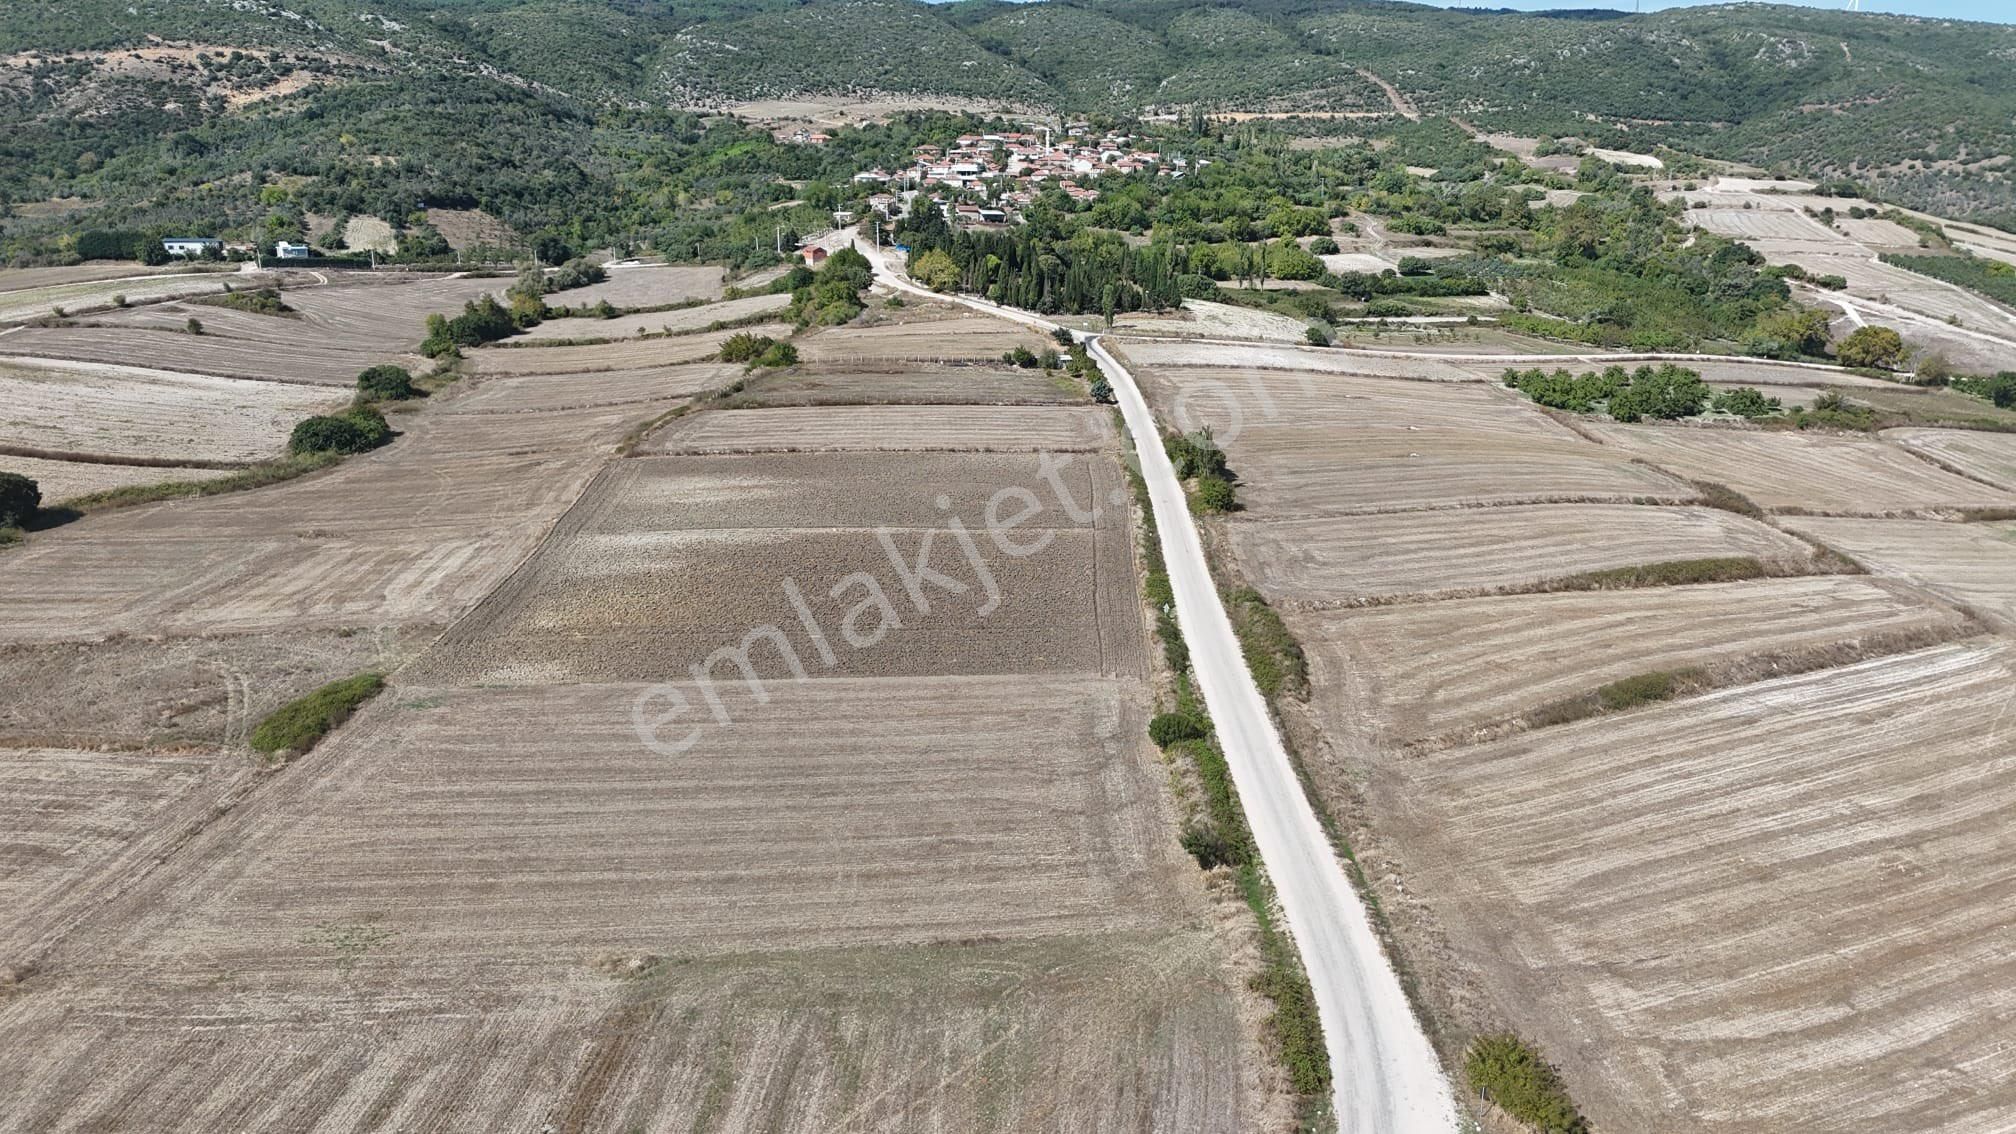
(192, 246)
(290, 251)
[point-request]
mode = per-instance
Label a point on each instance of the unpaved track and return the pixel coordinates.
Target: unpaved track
(1386, 1077)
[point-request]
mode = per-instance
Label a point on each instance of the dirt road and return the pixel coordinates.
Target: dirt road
(1386, 1077)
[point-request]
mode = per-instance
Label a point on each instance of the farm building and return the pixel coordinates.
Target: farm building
(814, 256)
(193, 246)
(288, 250)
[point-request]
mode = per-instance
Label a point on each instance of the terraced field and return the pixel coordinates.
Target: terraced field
(66, 480)
(651, 322)
(629, 354)
(1805, 472)
(41, 296)
(1988, 457)
(912, 385)
(1010, 429)
(1972, 564)
(646, 285)
(925, 335)
(123, 411)
(1770, 908)
(1333, 562)
(1496, 659)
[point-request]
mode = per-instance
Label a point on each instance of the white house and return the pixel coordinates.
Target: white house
(192, 246)
(289, 251)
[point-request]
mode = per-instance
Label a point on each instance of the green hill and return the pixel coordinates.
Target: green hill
(1920, 109)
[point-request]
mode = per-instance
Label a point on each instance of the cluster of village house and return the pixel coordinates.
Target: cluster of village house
(991, 178)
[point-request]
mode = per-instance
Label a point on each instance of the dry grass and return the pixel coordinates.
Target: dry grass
(1769, 908)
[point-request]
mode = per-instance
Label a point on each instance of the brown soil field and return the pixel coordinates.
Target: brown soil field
(65, 480)
(1307, 445)
(637, 354)
(95, 295)
(518, 393)
(1154, 356)
(82, 825)
(1342, 560)
(950, 904)
(1973, 564)
(417, 532)
(340, 330)
(1810, 472)
(1778, 907)
(924, 335)
(468, 228)
(912, 385)
(666, 560)
(1989, 457)
(651, 322)
(1496, 658)
(1011, 429)
(176, 693)
(646, 286)
(120, 411)
(1206, 319)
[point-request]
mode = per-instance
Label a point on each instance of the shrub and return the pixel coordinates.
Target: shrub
(1524, 1085)
(778, 355)
(1324, 246)
(1102, 392)
(387, 383)
(194, 326)
(1317, 336)
(358, 431)
(1169, 728)
(258, 301)
(1644, 688)
(1746, 402)
(1194, 454)
(297, 725)
(1215, 494)
(1272, 654)
(1021, 356)
(20, 499)
(745, 347)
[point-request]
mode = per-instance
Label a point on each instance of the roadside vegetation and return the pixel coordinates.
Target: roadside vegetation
(1200, 464)
(1508, 1072)
(296, 726)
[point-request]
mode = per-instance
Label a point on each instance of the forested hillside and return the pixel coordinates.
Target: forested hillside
(539, 109)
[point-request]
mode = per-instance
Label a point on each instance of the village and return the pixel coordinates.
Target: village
(989, 179)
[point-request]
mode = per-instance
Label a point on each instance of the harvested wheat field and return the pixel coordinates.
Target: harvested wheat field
(334, 332)
(1346, 560)
(1496, 659)
(1805, 472)
(653, 322)
(1989, 457)
(73, 297)
(1012, 429)
(519, 393)
(628, 354)
(667, 560)
(67, 480)
(1777, 907)
(1143, 354)
(91, 410)
(83, 825)
(646, 285)
(417, 532)
(925, 335)
(180, 692)
(1306, 445)
(1973, 564)
(964, 880)
(912, 385)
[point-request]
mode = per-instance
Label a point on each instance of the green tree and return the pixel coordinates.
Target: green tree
(20, 499)
(935, 270)
(1879, 347)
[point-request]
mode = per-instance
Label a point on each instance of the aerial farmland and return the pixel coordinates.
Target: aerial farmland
(1627, 722)
(917, 868)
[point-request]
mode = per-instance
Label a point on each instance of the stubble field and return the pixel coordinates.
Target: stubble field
(1809, 472)
(1769, 908)
(1495, 659)
(647, 285)
(1989, 457)
(1971, 564)
(1330, 562)
(1014, 429)
(911, 385)
(123, 411)
(628, 354)
(930, 334)
(651, 322)
(65, 480)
